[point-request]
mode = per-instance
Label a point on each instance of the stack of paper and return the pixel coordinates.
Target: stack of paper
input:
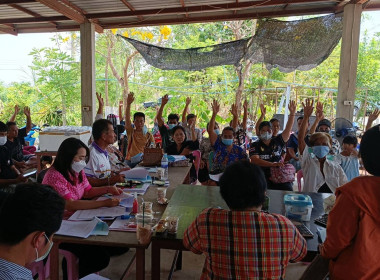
(126, 199)
(137, 173)
(105, 212)
(83, 229)
(123, 225)
(139, 189)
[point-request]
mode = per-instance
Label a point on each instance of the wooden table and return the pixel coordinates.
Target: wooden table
(189, 200)
(177, 175)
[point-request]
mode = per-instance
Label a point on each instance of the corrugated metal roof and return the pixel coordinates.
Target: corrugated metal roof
(27, 16)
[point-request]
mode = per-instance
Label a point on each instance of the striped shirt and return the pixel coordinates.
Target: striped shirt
(244, 244)
(12, 271)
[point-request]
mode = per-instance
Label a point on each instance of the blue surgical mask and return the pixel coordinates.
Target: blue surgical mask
(172, 125)
(266, 135)
(227, 142)
(145, 130)
(217, 131)
(321, 151)
(46, 253)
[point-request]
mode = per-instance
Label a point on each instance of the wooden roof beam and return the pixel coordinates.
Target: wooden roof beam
(198, 9)
(8, 2)
(11, 31)
(130, 7)
(183, 6)
(98, 27)
(29, 12)
(32, 19)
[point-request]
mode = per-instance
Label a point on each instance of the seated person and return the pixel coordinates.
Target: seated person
(16, 141)
(182, 146)
(353, 226)
(244, 242)
(9, 174)
(371, 118)
(189, 120)
(292, 147)
(275, 123)
(225, 152)
(320, 173)
(348, 158)
(138, 136)
(240, 129)
(173, 120)
(206, 150)
(267, 151)
(30, 215)
(45, 162)
(67, 177)
(98, 169)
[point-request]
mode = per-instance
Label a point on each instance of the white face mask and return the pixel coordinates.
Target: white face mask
(46, 253)
(78, 166)
(3, 140)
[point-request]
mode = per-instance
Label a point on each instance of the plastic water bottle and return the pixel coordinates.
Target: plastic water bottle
(165, 166)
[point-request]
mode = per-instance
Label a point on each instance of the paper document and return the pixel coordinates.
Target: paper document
(136, 173)
(139, 189)
(126, 199)
(108, 212)
(123, 225)
(83, 229)
(216, 177)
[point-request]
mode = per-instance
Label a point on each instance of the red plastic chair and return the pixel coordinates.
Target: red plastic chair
(197, 161)
(37, 267)
(72, 265)
(299, 177)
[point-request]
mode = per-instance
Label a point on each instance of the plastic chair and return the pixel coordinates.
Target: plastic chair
(37, 268)
(197, 161)
(299, 177)
(72, 265)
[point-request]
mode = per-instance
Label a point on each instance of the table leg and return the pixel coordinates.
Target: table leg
(140, 263)
(54, 262)
(156, 261)
(179, 261)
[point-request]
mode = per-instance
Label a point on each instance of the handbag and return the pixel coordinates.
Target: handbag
(152, 157)
(282, 174)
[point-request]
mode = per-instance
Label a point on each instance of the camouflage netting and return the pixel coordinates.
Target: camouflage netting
(288, 45)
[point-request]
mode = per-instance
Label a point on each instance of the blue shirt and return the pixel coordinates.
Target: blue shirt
(350, 165)
(12, 271)
(293, 142)
(223, 157)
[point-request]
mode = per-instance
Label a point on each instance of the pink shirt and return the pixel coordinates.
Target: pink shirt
(65, 188)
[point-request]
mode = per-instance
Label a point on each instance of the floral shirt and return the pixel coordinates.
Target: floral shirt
(223, 157)
(63, 187)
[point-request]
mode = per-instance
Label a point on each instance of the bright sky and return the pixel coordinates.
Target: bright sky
(15, 59)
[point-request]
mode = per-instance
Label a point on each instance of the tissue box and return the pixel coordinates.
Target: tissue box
(298, 207)
(51, 138)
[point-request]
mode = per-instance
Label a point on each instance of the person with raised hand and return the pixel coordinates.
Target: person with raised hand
(188, 120)
(225, 151)
(267, 151)
(372, 117)
(320, 172)
(173, 121)
(240, 129)
(138, 136)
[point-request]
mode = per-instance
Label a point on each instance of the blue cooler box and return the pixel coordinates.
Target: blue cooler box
(298, 207)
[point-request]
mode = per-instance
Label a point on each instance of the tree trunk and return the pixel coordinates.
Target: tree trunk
(63, 96)
(242, 74)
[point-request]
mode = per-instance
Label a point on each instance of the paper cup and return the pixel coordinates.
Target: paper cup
(172, 224)
(148, 207)
(161, 194)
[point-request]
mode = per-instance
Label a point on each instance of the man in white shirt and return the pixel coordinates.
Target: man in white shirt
(98, 169)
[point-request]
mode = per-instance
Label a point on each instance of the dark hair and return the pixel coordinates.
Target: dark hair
(31, 207)
(228, 128)
(138, 114)
(9, 124)
(99, 127)
(65, 155)
(300, 118)
(173, 117)
(369, 150)
(3, 127)
(49, 159)
(274, 120)
(243, 185)
(174, 129)
(349, 139)
(265, 123)
(190, 116)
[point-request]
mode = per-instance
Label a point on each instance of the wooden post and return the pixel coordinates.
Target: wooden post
(348, 61)
(87, 48)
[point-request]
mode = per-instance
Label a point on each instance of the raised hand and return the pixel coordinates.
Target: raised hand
(188, 101)
(17, 109)
(308, 107)
(233, 110)
(27, 111)
(130, 98)
(292, 107)
(374, 115)
(100, 99)
(165, 99)
(319, 111)
(263, 109)
(215, 106)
